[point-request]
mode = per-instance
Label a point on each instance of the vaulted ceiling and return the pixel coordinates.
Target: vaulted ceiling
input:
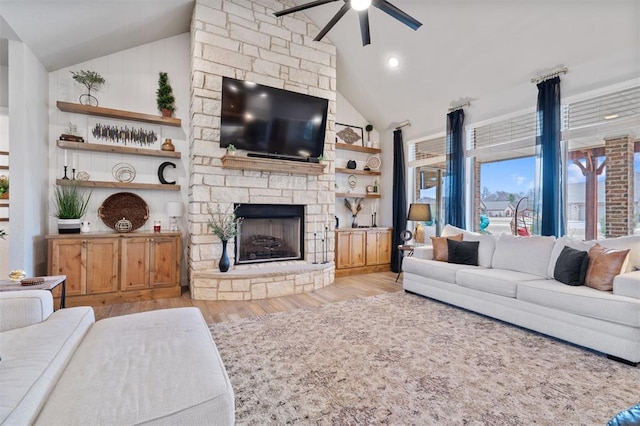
(486, 50)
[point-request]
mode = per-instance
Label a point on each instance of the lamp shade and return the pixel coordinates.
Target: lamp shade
(174, 209)
(419, 212)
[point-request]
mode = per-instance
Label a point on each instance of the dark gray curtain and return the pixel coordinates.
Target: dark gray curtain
(548, 208)
(454, 180)
(399, 200)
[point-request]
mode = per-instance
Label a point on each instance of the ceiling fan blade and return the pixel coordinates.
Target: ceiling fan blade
(363, 15)
(393, 11)
(303, 7)
(344, 9)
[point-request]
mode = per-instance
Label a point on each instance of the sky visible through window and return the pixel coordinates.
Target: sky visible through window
(514, 176)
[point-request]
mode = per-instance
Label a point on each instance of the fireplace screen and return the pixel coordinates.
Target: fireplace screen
(274, 235)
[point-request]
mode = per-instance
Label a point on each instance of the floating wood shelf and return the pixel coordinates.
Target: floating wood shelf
(354, 195)
(122, 185)
(116, 113)
(4, 167)
(358, 148)
(358, 172)
(239, 162)
(117, 149)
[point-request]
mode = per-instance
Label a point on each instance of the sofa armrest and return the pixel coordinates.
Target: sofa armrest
(627, 284)
(423, 252)
(22, 308)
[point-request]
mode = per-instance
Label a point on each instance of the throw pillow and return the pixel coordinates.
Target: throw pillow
(463, 252)
(440, 250)
(604, 265)
(571, 266)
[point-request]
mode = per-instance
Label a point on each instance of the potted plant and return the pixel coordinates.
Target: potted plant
(355, 207)
(92, 81)
(71, 204)
(4, 187)
(165, 99)
(231, 149)
(2, 234)
(225, 226)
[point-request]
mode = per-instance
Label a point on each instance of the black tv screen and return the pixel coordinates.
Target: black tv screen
(273, 121)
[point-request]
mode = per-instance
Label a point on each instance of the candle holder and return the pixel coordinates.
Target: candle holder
(374, 220)
(65, 174)
(73, 174)
(325, 245)
(315, 251)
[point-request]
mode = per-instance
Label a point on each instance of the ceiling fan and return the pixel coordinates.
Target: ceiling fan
(362, 6)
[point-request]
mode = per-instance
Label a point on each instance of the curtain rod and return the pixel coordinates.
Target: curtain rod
(460, 103)
(457, 107)
(403, 124)
(549, 75)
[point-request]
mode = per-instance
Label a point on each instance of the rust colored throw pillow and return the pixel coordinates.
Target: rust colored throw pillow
(440, 248)
(604, 265)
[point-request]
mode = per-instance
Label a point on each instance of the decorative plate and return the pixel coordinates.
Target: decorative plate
(374, 162)
(124, 172)
(124, 205)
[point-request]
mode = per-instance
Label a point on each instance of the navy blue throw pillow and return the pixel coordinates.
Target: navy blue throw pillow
(571, 266)
(463, 252)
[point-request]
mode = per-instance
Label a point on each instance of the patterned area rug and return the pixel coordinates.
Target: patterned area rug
(402, 359)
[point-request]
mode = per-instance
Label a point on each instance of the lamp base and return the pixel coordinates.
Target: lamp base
(418, 234)
(173, 225)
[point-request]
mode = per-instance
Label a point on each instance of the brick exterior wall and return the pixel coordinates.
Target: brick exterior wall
(619, 187)
(243, 40)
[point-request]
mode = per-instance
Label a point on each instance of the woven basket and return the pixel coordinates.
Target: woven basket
(124, 205)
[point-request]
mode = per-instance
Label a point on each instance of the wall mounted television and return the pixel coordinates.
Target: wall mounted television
(272, 122)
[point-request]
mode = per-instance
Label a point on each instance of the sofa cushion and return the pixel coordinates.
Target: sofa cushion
(440, 247)
(136, 363)
(463, 252)
(441, 271)
(581, 300)
(627, 284)
(562, 242)
(486, 247)
(571, 266)
(604, 265)
(33, 358)
(523, 254)
(497, 281)
(631, 242)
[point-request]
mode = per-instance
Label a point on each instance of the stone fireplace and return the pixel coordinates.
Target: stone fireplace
(243, 40)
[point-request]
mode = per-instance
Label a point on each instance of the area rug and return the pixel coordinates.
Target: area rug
(402, 359)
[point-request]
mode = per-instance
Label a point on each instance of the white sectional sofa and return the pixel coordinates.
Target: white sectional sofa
(514, 283)
(63, 368)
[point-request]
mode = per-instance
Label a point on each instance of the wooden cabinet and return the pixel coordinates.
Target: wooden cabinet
(362, 251)
(113, 268)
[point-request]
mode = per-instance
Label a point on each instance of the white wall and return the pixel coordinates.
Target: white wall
(131, 83)
(4, 86)
(4, 146)
(28, 142)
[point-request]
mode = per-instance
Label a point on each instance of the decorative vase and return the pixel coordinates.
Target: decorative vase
(224, 259)
(168, 145)
(354, 221)
(88, 99)
(69, 226)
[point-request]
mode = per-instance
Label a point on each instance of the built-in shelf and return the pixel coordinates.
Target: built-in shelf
(358, 172)
(240, 162)
(354, 195)
(4, 167)
(117, 149)
(121, 185)
(116, 113)
(358, 148)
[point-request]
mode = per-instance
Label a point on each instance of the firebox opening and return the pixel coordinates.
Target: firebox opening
(269, 233)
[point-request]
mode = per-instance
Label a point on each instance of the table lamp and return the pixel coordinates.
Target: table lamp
(419, 213)
(174, 210)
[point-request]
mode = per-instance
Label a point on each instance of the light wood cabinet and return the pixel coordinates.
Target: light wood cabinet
(113, 268)
(362, 251)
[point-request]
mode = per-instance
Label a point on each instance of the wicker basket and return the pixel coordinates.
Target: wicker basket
(124, 205)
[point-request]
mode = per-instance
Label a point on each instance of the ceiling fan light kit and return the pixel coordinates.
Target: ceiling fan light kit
(362, 7)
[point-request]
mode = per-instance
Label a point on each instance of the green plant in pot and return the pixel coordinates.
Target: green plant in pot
(71, 203)
(92, 81)
(4, 187)
(165, 98)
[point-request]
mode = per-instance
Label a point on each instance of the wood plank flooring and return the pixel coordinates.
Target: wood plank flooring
(343, 288)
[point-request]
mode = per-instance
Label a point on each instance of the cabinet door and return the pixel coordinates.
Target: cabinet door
(343, 250)
(164, 261)
(68, 257)
(102, 265)
(357, 242)
(134, 264)
(384, 247)
(372, 248)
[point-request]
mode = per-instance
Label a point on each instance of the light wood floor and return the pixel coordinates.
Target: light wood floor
(344, 288)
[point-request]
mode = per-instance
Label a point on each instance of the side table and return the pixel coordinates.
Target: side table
(49, 284)
(403, 248)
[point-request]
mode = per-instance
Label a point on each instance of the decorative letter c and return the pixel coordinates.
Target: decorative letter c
(161, 173)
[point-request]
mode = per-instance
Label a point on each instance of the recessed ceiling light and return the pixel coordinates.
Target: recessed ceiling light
(393, 62)
(360, 4)
(611, 117)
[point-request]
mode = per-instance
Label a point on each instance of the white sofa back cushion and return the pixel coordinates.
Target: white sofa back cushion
(560, 244)
(523, 254)
(485, 248)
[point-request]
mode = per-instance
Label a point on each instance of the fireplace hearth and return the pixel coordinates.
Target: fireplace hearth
(269, 233)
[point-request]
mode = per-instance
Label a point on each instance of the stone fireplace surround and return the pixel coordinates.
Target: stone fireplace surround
(242, 39)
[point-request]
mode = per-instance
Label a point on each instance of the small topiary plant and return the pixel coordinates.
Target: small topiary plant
(165, 98)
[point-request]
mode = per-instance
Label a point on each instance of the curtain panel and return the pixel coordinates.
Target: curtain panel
(548, 201)
(399, 200)
(454, 180)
